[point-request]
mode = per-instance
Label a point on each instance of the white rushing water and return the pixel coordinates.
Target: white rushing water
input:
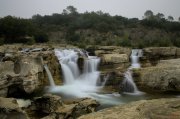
(135, 55)
(51, 80)
(128, 84)
(76, 83)
(83, 83)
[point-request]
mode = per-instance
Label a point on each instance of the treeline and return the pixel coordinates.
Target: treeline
(94, 28)
(18, 30)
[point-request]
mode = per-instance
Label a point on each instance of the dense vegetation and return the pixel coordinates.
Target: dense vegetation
(95, 28)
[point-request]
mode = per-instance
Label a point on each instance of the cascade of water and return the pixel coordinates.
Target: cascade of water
(71, 73)
(128, 84)
(51, 81)
(135, 54)
(105, 80)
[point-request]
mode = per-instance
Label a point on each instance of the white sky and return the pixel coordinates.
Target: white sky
(126, 8)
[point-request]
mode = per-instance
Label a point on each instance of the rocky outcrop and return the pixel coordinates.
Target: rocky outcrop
(145, 109)
(22, 71)
(53, 107)
(20, 75)
(47, 103)
(165, 76)
(9, 109)
(153, 54)
(114, 58)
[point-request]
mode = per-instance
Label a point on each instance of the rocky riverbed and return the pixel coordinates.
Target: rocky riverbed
(22, 75)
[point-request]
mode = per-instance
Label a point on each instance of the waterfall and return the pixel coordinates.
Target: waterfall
(76, 82)
(51, 81)
(135, 54)
(105, 79)
(128, 84)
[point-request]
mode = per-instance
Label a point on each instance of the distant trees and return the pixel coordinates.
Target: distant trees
(17, 30)
(92, 28)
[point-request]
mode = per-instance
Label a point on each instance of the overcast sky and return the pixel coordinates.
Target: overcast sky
(127, 8)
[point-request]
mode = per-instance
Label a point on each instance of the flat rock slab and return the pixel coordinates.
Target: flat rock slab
(144, 109)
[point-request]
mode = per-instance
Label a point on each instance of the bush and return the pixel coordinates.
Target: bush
(31, 41)
(1, 41)
(41, 37)
(176, 42)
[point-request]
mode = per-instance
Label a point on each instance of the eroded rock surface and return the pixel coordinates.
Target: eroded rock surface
(22, 71)
(9, 109)
(53, 106)
(145, 109)
(165, 76)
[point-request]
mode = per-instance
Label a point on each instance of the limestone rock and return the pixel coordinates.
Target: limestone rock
(144, 109)
(178, 52)
(163, 77)
(9, 109)
(115, 58)
(48, 103)
(52, 105)
(160, 51)
(24, 73)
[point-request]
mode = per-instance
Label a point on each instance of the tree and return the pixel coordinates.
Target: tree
(71, 10)
(148, 14)
(170, 18)
(160, 15)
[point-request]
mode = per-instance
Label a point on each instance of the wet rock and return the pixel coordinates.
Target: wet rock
(144, 109)
(53, 106)
(48, 103)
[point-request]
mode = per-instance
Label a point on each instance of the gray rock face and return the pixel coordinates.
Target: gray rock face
(145, 109)
(165, 76)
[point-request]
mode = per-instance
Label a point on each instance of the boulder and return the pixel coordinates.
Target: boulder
(9, 109)
(111, 50)
(48, 103)
(53, 106)
(160, 51)
(23, 74)
(115, 58)
(144, 109)
(165, 76)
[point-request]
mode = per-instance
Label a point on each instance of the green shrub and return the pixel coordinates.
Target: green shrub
(1, 41)
(31, 41)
